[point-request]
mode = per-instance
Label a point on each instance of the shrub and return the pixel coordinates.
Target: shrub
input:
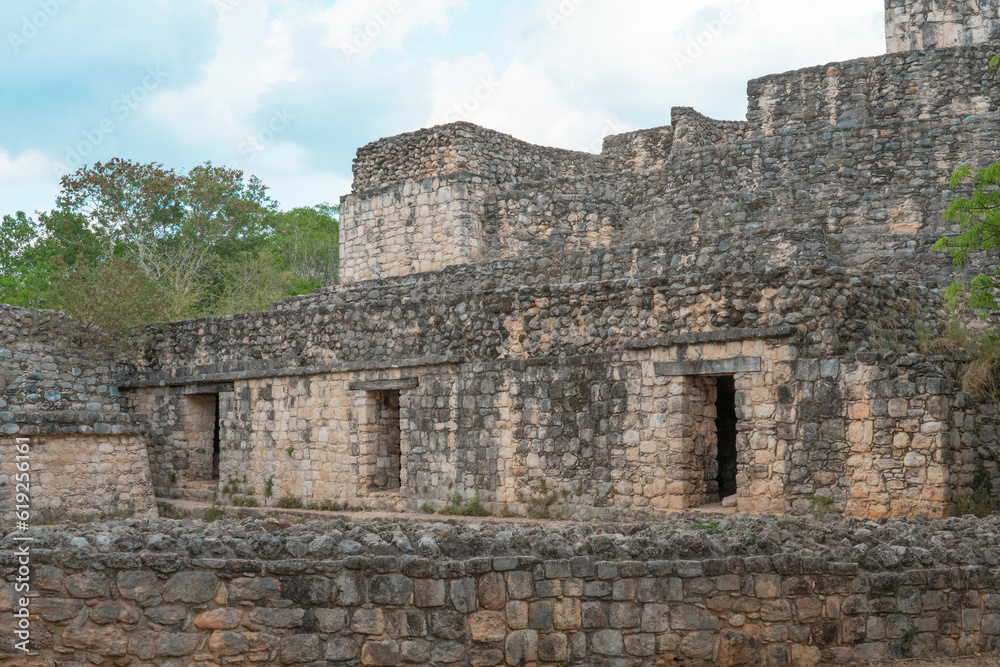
(213, 514)
(289, 502)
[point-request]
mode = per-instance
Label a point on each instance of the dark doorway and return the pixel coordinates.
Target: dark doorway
(216, 441)
(725, 428)
(388, 471)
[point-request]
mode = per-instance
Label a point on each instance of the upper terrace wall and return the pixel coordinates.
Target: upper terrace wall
(463, 147)
(847, 163)
(911, 25)
(537, 306)
(942, 87)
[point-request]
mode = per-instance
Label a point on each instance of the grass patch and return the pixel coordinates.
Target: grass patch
(326, 505)
(213, 514)
(290, 503)
(457, 506)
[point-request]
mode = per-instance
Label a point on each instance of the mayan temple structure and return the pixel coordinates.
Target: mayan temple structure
(740, 317)
(708, 311)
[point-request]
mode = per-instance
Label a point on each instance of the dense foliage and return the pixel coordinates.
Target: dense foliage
(129, 244)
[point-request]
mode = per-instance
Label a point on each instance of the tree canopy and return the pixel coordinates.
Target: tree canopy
(206, 242)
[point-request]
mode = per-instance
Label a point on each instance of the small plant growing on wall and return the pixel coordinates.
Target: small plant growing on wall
(822, 505)
(290, 450)
(269, 487)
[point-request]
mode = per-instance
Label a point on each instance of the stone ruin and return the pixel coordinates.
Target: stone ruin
(706, 311)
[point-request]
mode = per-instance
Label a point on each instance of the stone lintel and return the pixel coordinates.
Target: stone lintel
(708, 367)
(259, 370)
(209, 388)
(718, 336)
(384, 385)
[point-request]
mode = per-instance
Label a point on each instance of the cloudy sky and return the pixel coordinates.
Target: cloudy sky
(288, 89)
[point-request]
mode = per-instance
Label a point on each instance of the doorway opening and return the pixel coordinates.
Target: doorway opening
(725, 429)
(216, 441)
(388, 459)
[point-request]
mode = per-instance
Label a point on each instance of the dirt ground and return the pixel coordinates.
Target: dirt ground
(991, 660)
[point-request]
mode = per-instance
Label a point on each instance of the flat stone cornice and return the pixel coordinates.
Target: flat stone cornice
(264, 369)
(72, 423)
(719, 336)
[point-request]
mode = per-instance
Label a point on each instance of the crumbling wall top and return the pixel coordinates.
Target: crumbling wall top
(464, 147)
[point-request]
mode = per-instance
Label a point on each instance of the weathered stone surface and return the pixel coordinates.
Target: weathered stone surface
(391, 589)
(191, 587)
(380, 653)
(487, 626)
(299, 649)
(152, 645)
(107, 641)
(87, 585)
(492, 591)
(219, 619)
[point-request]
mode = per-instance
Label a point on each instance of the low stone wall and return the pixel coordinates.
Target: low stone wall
(87, 458)
(166, 593)
(81, 476)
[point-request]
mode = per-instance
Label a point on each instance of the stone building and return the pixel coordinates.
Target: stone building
(707, 309)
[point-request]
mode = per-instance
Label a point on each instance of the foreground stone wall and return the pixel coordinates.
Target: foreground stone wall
(176, 596)
(911, 25)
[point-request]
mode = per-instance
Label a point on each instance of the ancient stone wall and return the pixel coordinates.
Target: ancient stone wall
(498, 158)
(87, 457)
(421, 201)
(299, 596)
(43, 369)
(491, 311)
(603, 435)
(81, 477)
(911, 25)
(876, 139)
(412, 227)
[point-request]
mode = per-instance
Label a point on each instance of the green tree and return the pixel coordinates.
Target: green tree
(252, 281)
(309, 240)
(978, 219)
(113, 300)
(211, 240)
(20, 276)
(175, 227)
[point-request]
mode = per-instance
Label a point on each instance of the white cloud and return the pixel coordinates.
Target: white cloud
(582, 66)
(360, 28)
(555, 72)
(292, 176)
(254, 54)
(25, 180)
(524, 102)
